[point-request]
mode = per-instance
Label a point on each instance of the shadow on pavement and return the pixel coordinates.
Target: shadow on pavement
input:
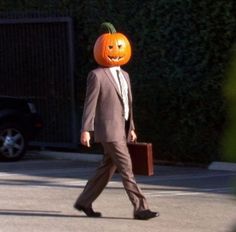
(57, 214)
(166, 177)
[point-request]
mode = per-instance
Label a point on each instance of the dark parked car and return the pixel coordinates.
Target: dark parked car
(19, 123)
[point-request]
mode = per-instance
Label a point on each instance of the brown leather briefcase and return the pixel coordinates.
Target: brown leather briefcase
(142, 158)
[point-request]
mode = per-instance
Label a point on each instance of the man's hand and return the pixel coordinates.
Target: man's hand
(133, 136)
(85, 138)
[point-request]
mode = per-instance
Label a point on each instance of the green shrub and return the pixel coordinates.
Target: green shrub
(230, 93)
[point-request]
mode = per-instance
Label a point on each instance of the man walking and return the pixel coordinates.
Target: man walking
(108, 115)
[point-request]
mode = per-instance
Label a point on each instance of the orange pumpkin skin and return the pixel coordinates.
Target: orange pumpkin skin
(112, 50)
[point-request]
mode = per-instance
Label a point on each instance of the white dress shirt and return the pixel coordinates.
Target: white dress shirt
(124, 91)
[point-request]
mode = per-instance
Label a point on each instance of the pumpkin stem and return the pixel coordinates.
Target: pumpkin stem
(107, 27)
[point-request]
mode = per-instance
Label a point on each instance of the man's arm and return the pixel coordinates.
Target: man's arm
(132, 135)
(92, 92)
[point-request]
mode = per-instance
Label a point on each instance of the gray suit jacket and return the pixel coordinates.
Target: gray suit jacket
(103, 108)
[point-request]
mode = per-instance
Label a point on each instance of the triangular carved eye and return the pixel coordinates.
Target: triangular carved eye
(119, 46)
(110, 47)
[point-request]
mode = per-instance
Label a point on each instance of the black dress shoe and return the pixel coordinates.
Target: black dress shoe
(145, 215)
(88, 211)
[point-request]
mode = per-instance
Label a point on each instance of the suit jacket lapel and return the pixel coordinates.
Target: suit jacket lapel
(111, 78)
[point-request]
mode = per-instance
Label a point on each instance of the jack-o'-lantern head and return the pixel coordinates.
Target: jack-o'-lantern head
(111, 48)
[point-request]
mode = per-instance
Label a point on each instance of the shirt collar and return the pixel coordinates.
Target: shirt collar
(114, 68)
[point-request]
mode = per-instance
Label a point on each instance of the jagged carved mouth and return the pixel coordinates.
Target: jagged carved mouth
(116, 58)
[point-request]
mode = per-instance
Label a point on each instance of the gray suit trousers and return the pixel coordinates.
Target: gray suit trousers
(116, 155)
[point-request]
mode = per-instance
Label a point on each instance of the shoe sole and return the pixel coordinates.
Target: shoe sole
(146, 218)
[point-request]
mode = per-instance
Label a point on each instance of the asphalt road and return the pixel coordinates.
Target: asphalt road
(37, 195)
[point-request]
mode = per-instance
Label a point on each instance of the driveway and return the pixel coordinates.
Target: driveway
(37, 194)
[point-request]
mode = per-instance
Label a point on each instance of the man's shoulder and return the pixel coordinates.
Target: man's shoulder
(101, 71)
(98, 70)
(123, 71)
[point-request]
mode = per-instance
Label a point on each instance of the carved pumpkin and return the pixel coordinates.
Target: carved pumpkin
(112, 48)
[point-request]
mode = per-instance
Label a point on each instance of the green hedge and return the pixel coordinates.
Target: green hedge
(180, 52)
(230, 93)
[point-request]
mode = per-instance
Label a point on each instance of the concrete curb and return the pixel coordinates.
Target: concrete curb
(222, 166)
(95, 158)
(66, 156)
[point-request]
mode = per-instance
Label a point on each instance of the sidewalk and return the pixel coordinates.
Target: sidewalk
(39, 192)
(95, 158)
(65, 155)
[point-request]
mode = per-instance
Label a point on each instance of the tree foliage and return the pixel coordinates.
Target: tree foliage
(180, 53)
(230, 94)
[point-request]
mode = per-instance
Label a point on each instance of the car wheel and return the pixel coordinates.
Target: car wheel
(13, 142)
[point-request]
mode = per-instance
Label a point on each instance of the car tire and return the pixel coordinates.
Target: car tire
(13, 142)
